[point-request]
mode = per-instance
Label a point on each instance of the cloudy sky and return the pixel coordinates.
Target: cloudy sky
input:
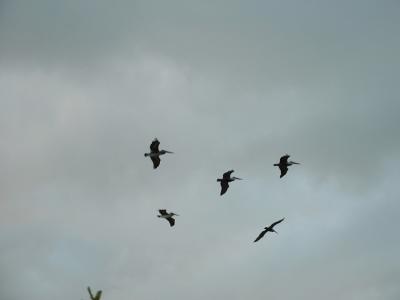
(86, 85)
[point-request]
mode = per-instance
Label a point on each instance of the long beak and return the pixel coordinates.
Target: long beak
(238, 178)
(295, 163)
(168, 151)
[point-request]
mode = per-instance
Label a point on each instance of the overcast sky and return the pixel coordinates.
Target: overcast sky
(86, 85)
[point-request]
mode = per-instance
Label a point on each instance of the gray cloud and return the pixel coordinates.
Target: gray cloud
(86, 86)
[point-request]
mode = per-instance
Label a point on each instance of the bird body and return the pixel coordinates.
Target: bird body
(155, 154)
(224, 181)
(270, 228)
(168, 216)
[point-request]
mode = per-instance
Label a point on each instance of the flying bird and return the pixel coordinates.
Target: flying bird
(284, 164)
(155, 153)
(266, 229)
(168, 216)
(226, 178)
(97, 297)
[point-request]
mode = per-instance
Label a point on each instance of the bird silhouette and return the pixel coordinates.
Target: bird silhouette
(266, 229)
(226, 178)
(155, 153)
(284, 164)
(98, 294)
(168, 216)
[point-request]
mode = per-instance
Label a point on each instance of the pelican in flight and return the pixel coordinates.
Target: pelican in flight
(266, 229)
(226, 178)
(168, 216)
(284, 164)
(155, 153)
(97, 297)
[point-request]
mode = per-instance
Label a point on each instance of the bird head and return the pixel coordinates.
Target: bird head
(165, 151)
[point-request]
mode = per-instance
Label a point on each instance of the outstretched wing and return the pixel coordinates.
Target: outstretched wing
(224, 186)
(90, 293)
(227, 175)
(163, 212)
(171, 221)
(260, 235)
(154, 145)
(277, 222)
(284, 159)
(283, 169)
(156, 161)
(98, 296)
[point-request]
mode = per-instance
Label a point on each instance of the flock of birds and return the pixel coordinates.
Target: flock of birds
(227, 177)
